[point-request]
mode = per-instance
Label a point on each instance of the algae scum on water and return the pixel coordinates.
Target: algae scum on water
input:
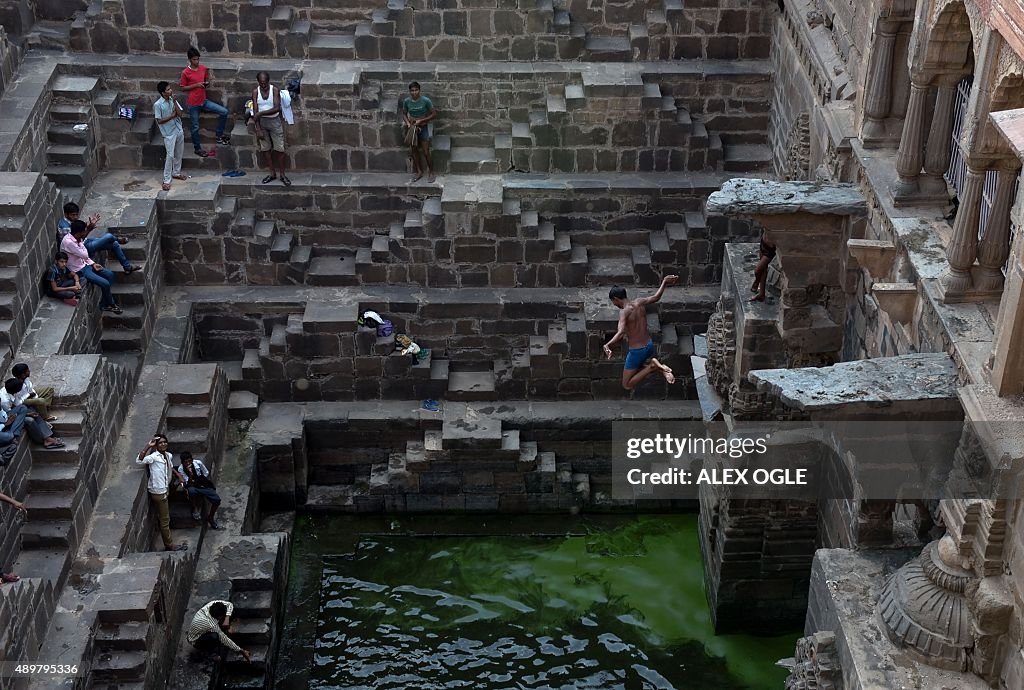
(621, 608)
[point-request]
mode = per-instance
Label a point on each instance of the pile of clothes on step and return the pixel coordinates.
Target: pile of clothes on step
(371, 319)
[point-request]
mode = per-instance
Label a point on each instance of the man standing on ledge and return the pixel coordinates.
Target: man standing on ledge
(418, 111)
(195, 80)
(640, 361)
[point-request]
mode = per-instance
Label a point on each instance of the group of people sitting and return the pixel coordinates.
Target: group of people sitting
(23, 407)
(75, 260)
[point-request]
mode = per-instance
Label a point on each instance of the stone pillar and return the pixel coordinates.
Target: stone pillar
(909, 160)
(878, 99)
(1008, 355)
(938, 148)
(962, 248)
(994, 247)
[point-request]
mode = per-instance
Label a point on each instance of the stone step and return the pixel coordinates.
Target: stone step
(130, 318)
(253, 604)
(479, 434)
(332, 47)
(53, 477)
(243, 405)
(46, 534)
(8, 279)
(281, 18)
(67, 155)
(50, 505)
(68, 454)
(65, 134)
(106, 102)
(70, 113)
(10, 254)
(44, 563)
(8, 303)
(68, 175)
(473, 160)
(125, 665)
(281, 247)
(69, 421)
(249, 631)
(661, 251)
(188, 416)
(575, 98)
(301, 257)
(79, 89)
(616, 270)
(127, 636)
(747, 158)
(609, 48)
(439, 369)
(121, 340)
(129, 294)
(556, 107)
(332, 270)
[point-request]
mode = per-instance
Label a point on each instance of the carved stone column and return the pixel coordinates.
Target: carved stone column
(909, 160)
(963, 246)
(878, 98)
(994, 247)
(938, 148)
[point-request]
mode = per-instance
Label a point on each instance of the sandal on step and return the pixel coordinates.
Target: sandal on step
(182, 177)
(166, 186)
(9, 578)
(286, 181)
(269, 178)
(56, 444)
(201, 153)
(51, 418)
(113, 308)
(122, 239)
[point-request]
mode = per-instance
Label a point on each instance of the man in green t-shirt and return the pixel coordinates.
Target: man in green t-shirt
(418, 111)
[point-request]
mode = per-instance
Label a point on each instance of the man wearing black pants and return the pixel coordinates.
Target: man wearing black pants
(206, 633)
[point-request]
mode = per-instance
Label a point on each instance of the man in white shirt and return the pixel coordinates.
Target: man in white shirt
(158, 464)
(206, 632)
(199, 486)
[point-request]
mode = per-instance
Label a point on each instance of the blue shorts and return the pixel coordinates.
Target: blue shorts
(426, 132)
(209, 494)
(636, 356)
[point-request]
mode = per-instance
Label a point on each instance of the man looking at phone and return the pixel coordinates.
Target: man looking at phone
(195, 80)
(158, 465)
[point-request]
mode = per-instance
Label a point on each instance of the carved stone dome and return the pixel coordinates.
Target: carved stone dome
(925, 611)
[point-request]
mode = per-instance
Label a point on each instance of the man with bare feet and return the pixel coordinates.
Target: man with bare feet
(418, 112)
(640, 360)
(767, 253)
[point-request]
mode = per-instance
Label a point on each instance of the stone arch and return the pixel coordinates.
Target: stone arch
(952, 41)
(954, 22)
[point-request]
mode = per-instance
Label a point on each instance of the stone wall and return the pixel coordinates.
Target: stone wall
(415, 30)
(557, 118)
(508, 458)
(480, 349)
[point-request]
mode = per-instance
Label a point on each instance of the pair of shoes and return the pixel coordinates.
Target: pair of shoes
(113, 308)
(431, 405)
(201, 153)
(131, 268)
(233, 173)
(71, 302)
(177, 547)
(214, 525)
(196, 515)
(224, 140)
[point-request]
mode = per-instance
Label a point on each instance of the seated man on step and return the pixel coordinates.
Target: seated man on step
(199, 486)
(206, 633)
(640, 361)
(105, 242)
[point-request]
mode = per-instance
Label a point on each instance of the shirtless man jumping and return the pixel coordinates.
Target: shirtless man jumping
(640, 361)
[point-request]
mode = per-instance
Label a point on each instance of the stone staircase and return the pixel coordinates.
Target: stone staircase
(71, 162)
(458, 465)
(58, 503)
(119, 653)
(252, 627)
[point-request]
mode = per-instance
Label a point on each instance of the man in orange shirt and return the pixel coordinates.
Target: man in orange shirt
(195, 79)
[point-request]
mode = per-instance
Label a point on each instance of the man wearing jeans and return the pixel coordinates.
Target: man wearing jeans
(168, 118)
(195, 80)
(158, 466)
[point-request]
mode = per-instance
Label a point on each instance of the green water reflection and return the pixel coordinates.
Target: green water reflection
(616, 608)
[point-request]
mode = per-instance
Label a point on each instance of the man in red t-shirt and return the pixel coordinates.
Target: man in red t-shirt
(195, 79)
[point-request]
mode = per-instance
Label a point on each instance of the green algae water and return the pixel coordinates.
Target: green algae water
(619, 607)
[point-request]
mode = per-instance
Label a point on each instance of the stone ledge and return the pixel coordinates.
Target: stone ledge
(749, 196)
(849, 386)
